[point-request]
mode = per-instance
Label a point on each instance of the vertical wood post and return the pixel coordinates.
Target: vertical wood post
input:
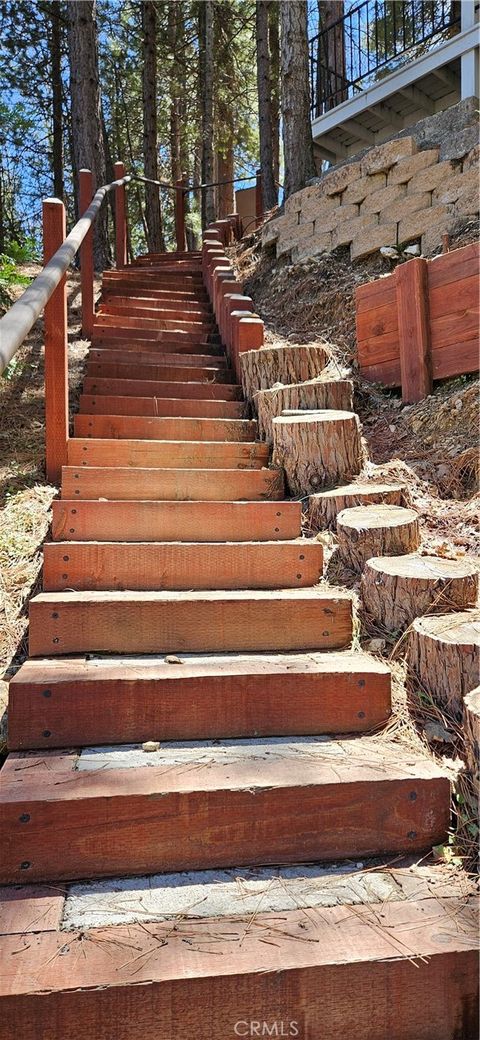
(120, 218)
(411, 285)
(180, 213)
(258, 199)
(56, 348)
(86, 256)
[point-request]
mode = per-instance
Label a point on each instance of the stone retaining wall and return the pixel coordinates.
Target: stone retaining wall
(392, 195)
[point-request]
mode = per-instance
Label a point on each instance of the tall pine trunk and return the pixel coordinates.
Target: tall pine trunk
(57, 115)
(331, 55)
(269, 192)
(274, 47)
(297, 131)
(206, 99)
(87, 135)
(153, 213)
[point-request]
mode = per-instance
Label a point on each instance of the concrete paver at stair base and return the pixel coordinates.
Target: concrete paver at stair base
(202, 824)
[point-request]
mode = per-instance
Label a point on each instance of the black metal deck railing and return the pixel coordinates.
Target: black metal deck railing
(371, 40)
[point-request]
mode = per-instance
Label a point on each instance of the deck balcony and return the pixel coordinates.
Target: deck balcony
(385, 65)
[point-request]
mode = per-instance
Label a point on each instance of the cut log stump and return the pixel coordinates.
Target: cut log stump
(324, 507)
(367, 531)
(317, 448)
(268, 365)
(397, 589)
(471, 725)
(444, 656)
(313, 394)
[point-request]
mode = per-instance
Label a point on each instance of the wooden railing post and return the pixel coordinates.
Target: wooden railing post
(120, 218)
(56, 348)
(180, 213)
(258, 199)
(411, 287)
(86, 256)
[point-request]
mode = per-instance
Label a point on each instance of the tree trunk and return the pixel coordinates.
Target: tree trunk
(87, 136)
(444, 657)
(317, 448)
(297, 131)
(331, 55)
(153, 214)
(261, 369)
(324, 507)
(471, 727)
(313, 394)
(274, 47)
(225, 167)
(398, 589)
(367, 531)
(57, 114)
(264, 91)
(174, 94)
(206, 59)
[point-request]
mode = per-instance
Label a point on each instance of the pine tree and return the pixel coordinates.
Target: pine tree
(297, 131)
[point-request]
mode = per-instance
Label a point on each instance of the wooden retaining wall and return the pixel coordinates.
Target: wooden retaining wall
(421, 322)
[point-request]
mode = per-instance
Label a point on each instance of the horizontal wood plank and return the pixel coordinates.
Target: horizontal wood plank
(172, 622)
(163, 388)
(181, 565)
(164, 428)
(91, 404)
(175, 521)
(329, 800)
(167, 454)
(110, 701)
(152, 372)
(218, 485)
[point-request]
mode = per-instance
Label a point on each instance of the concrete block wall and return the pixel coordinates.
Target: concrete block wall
(393, 195)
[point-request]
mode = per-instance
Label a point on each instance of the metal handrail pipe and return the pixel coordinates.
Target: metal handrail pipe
(20, 318)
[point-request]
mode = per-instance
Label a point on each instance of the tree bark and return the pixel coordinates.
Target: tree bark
(264, 92)
(324, 507)
(274, 47)
(397, 589)
(87, 135)
(153, 213)
(317, 448)
(331, 55)
(443, 655)
(297, 131)
(367, 531)
(57, 114)
(206, 59)
(313, 394)
(261, 369)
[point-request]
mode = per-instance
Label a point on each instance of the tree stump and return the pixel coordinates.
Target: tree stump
(444, 656)
(317, 448)
(324, 507)
(314, 394)
(367, 531)
(397, 589)
(471, 729)
(268, 365)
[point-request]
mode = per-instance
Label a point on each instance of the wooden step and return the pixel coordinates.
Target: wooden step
(167, 454)
(175, 622)
(271, 800)
(164, 428)
(150, 521)
(173, 319)
(148, 344)
(118, 700)
(104, 333)
(190, 955)
(94, 405)
(168, 373)
(188, 310)
(148, 354)
(217, 485)
(181, 565)
(163, 388)
(125, 288)
(191, 330)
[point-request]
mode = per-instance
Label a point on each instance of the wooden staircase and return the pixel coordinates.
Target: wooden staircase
(193, 703)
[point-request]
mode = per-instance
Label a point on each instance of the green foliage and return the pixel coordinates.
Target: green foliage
(9, 277)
